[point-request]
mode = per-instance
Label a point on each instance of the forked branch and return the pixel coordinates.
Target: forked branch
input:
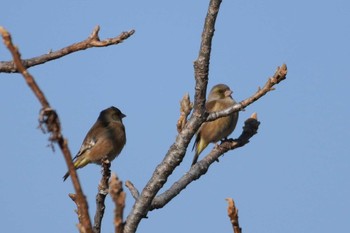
(92, 41)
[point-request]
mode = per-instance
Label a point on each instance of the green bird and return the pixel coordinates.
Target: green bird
(220, 98)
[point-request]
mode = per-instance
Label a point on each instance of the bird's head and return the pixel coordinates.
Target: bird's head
(219, 91)
(111, 114)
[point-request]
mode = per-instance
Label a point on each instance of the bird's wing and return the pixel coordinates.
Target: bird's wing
(218, 105)
(91, 138)
(210, 106)
(87, 145)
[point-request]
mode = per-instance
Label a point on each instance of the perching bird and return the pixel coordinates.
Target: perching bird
(106, 138)
(211, 132)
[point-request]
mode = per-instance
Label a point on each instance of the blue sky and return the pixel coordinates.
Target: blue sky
(292, 176)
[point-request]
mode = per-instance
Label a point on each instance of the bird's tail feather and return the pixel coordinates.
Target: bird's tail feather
(200, 146)
(81, 162)
(195, 158)
(65, 176)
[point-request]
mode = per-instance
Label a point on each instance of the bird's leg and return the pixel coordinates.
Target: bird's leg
(228, 140)
(223, 140)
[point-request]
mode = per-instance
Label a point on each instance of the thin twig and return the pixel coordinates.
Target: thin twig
(232, 213)
(118, 196)
(280, 75)
(200, 168)
(185, 110)
(77, 211)
(92, 41)
(177, 151)
(134, 192)
(51, 121)
(101, 195)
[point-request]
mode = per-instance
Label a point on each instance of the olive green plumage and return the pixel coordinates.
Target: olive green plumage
(213, 131)
(106, 138)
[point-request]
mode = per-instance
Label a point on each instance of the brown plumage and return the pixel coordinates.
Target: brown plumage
(211, 132)
(105, 138)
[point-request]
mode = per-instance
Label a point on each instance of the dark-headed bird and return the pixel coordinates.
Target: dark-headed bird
(105, 139)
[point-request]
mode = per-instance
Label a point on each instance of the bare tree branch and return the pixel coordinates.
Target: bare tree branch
(201, 65)
(101, 195)
(200, 168)
(77, 211)
(92, 41)
(185, 110)
(118, 196)
(148, 200)
(280, 75)
(134, 192)
(177, 151)
(232, 213)
(51, 121)
(250, 128)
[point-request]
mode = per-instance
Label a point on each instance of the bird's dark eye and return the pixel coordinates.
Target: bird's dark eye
(115, 116)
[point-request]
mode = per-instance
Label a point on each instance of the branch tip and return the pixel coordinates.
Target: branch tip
(118, 197)
(131, 32)
(232, 213)
(185, 109)
(283, 69)
(94, 34)
(103, 188)
(254, 116)
(72, 196)
(92, 40)
(134, 192)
